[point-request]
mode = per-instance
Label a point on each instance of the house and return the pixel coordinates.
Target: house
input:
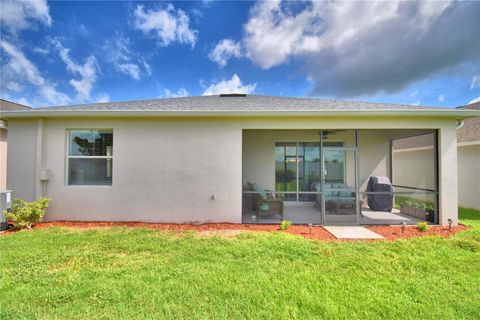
(420, 148)
(6, 106)
(468, 138)
(230, 158)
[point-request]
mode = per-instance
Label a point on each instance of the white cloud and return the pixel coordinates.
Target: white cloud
(119, 53)
(14, 86)
(131, 69)
(206, 3)
(52, 95)
(19, 15)
(103, 97)
(42, 51)
(23, 101)
(475, 100)
(441, 98)
(87, 72)
(21, 65)
(224, 50)
(475, 82)
(233, 85)
(272, 35)
(168, 25)
(182, 92)
(18, 69)
(348, 49)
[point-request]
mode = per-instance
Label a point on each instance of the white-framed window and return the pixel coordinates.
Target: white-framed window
(89, 157)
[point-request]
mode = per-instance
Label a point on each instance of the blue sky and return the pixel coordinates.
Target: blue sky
(55, 53)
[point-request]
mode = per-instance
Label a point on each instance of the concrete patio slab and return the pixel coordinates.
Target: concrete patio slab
(352, 233)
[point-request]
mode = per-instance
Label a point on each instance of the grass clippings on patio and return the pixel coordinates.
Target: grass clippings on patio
(125, 273)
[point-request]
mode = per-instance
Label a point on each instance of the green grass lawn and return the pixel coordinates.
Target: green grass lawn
(124, 273)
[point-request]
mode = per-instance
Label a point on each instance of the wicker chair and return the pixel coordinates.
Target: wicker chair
(265, 204)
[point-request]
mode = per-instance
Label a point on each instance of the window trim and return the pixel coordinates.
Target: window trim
(68, 157)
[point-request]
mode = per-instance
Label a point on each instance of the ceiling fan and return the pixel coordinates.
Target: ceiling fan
(326, 133)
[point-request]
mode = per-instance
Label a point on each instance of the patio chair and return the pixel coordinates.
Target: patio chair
(265, 204)
(341, 201)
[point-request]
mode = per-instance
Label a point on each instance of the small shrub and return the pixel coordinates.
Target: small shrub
(422, 226)
(284, 225)
(24, 213)
(409, 203)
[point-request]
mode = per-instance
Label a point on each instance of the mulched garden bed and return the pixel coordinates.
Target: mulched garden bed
(316, 233)
(395, 232)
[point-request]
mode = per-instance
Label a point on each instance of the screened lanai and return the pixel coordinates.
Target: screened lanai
(345, 177)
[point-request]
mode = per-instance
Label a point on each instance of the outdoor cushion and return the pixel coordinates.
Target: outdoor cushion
(264, 206)
(255, 187)
(263, 194)
(345, 193)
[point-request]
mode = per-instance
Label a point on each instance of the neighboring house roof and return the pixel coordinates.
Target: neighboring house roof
(468, 133)
(6, 105)
(425, 140)
(238, 105)
(472, 106)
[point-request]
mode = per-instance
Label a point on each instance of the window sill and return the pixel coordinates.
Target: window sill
(87, 186)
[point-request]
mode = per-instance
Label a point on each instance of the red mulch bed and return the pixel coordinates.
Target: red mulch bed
(395, 232)
(317, 233)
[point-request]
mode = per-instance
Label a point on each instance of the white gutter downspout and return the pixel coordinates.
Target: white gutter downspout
(3, 155)
(38, 158)
(460, 123)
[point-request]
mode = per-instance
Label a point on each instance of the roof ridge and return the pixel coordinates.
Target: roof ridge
(229, 98)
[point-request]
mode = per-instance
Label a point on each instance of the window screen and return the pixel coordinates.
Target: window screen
(90, 157)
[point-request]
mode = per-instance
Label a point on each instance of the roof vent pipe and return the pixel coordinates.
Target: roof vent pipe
(230, 95)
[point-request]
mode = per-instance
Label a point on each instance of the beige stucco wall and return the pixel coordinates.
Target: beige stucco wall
(21, 158)
(167, 169)
(163, 171)
(469, 176)
(448, 181)
(374, 155)
(415, 168)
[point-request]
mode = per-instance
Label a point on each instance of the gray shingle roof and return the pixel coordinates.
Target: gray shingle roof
(470, 131)
(239, 103)
(6, 105)
(425, 140)
(472, 106)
